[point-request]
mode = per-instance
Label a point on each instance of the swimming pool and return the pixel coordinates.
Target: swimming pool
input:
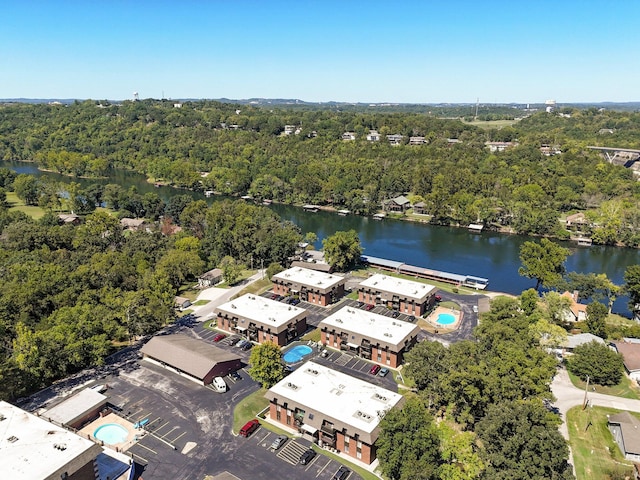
(445, 319)
(111, 433)
(297, 353)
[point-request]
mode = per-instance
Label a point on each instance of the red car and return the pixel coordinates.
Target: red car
(249, 427)
(438, 298)
(374, 369)
(219, 337)
(369, 307)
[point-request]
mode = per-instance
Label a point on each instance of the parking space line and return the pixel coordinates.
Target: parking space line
(143, 446)
(311, 463)
(322, 469)
(264, 438)
(161, 426)
(176, 439)
(131, 415)
(140, 457)
(151, 423)
(169, 432)
(146, 415)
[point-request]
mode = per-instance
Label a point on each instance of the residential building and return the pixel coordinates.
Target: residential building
(625, 429)
(191, 358)
(577, 311)
(348, 136)
(133, 224)
(630, 356)
(577, 221)
(69, 218)
(417, 141)
(420, 208)
(33, 447)
(395, 139)
(181, 303)
(578, 340)
(375, 337)
(398, 204)
(310, 285)
(210, 278)
(373, 136)
(500, 146)
(335, 409)
(289, 129)
(262, 319)
(413, 298)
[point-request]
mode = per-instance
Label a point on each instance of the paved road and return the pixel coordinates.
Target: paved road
(569, 396)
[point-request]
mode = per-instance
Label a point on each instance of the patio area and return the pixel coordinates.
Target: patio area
(443, 319)
(133, 434)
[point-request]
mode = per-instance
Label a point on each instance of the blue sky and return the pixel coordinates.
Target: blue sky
(357, 51)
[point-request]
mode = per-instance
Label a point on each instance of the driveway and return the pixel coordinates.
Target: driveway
(218, 296)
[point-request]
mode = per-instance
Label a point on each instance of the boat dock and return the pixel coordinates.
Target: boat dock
(479, 283)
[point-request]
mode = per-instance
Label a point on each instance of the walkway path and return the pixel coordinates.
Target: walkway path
(218, 296)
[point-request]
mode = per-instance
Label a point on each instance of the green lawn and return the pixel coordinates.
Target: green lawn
(314, 335)
(15, 203)
(201, 302)
(256, 287)
(248, 408)
(491, 123)
(625, 388)
(595, 453)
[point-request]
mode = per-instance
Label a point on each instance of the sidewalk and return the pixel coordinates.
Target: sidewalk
(218, 296)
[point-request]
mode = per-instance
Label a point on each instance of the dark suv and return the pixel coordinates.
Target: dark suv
(307, 456)
(342, 473)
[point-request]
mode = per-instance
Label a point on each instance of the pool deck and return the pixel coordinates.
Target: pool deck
(433, 318)
(291, 346)
(87, 431)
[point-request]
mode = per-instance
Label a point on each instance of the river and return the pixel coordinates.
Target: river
(490, 255)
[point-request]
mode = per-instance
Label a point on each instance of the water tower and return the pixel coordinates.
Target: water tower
(135, 96)
(550, 105)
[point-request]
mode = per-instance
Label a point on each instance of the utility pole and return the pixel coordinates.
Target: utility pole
(586, 387)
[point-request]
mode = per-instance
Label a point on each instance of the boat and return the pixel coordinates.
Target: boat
(208, 193)
(311, 208)
(475, 227)
(379, 216)
(344, 213)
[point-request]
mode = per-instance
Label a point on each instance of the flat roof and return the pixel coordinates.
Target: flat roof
(399, 286)
(75, 406)
(348, 400)
(31, 447)
(262, 310)
(371, 325)
(312, 278)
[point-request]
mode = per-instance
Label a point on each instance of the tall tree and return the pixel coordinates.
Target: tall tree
(26, 188)
(602, 365)
(266, 364)
(342, 250)
(543, 261)
(596, 319)
(632, 288)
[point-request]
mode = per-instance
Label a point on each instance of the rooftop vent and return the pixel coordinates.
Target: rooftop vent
(363, 416)
(292, 386)
(2, 417)
(60, 446)
(233, 306)
(387, 334)
(12, 439)
(312, 371)
(338, 320)
(380, 398)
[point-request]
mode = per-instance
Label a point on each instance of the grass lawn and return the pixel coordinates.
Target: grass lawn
(201, 302)
(314, 335)
(15, 203)
(353, 295)
(248, 408)
(625, 388)
(595, 453)
(256, 287)
(491, 123)
(210, 324)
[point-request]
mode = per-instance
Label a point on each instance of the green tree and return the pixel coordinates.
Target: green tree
(266, 363)
(632, 288)
(26, 188)
(521, 441)
(408, 445)
(549, 334)
(342, 250)
(459, 453)
(543, 261)
(597, 361)
(529, 301)
(597, 319)
(273, 269)
(231, 270)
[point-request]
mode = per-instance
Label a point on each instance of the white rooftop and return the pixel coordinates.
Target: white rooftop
(399, 286)
(309, 277)
(574, 341)
(262, 310)
(351, 401)
(75, 406)
(31, 447)
(371, 325)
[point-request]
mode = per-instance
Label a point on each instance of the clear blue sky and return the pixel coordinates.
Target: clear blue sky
(359, 51)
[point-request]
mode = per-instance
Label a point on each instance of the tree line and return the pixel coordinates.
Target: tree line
(240, 149)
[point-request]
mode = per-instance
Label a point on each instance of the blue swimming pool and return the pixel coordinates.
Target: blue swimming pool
(297, 353)
(445, 319)
(111, 433)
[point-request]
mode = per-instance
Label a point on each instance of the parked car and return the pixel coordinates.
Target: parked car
(295, 301)
(359, 305)
(395, 314)
(342, 473)
(438, 298)
(411, 319)
(278, 442)
(307, 456)
(249, 427)
(236, 376)
(247, 346)
(383, 372)
(374, 369)
(219, 337)
(233, 340)
(242, 343)
(369, 307)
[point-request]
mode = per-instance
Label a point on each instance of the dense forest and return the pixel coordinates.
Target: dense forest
(240, 149)
(72, 294)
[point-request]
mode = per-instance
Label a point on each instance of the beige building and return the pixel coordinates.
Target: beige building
(333, 408)
(261, 319)
(310, 285)
(407, 296)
